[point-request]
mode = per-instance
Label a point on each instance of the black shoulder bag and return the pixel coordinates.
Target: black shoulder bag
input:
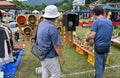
(40, 54)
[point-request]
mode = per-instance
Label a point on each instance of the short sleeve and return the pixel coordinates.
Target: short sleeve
(94, 26)
(55, 37)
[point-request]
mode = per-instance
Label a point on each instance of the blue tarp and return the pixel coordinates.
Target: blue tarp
(10, 69)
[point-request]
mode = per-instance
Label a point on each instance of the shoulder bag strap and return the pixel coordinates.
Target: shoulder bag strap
(37, 42)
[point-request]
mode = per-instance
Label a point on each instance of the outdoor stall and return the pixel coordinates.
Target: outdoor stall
(9, 55)
(112, 13)
(84, 47)
(116, 36)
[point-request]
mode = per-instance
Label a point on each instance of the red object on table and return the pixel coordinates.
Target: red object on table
(90, 23)
(17, 47)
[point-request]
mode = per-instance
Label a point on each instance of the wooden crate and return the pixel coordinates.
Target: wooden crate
(80, 50)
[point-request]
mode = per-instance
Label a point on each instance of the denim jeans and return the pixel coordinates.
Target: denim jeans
(100, 62)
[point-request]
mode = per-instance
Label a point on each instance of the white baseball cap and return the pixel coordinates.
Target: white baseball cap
(51, 11)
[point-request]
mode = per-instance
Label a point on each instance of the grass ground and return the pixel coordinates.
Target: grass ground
(76, 65)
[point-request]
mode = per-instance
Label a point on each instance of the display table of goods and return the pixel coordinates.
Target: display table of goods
(84, 46)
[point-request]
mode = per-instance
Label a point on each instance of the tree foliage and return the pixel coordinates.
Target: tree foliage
(89, 1)
(23, 6)
(18, 3)
(66, 5)
(111, 1)
(40, 7)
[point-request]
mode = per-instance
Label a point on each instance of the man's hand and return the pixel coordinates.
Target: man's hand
(90, 35)
(62, 61)
(58, 49)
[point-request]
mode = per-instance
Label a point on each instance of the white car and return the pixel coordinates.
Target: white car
(13, 27)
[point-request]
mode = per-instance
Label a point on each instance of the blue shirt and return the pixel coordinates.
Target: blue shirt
(48, 36)
(103, 28)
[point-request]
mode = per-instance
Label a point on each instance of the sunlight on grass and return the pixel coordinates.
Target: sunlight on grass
(74, 62)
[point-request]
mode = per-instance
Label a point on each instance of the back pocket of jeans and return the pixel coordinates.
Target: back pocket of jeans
(101, 49)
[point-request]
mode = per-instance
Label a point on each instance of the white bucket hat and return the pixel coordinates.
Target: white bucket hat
(51, 11)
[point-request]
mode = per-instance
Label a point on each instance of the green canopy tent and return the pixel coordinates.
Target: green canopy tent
(110, 8)
(114, 15)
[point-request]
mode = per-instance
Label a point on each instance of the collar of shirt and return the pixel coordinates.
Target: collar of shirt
(49, 21)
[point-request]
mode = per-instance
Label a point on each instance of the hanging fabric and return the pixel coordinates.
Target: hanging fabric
(5, 47)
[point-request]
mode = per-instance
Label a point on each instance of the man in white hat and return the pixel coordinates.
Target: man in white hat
(48, 38)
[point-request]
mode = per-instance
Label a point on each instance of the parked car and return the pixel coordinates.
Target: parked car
(13, 27)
